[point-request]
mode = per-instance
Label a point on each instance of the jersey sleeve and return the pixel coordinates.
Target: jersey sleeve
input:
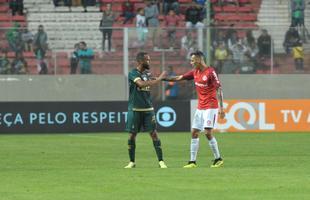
(188, 75)
(133, 76)
(215, 80)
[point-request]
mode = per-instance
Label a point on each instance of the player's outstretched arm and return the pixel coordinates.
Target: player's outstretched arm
(173, 78)
(220, 99)
(154, 80)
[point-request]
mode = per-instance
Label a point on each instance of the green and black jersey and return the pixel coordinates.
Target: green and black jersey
(139, 98)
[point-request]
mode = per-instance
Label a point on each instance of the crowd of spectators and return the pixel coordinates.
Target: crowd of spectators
(70, 3)
(231, 53)
(21, 40)
(17, 6)
(235, 54)
(297, 34)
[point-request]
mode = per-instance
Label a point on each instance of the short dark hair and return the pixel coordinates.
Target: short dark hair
(83, 43)
(139, 9)
(198, 53)
(140, 56)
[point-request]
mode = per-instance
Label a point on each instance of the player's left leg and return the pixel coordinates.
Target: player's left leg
(131, 150)
(158, 149)
(210, 122)
(149, 124)
(197, 126)
(218, 161)
(133, 127)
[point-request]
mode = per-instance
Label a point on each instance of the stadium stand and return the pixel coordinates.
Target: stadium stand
(65, 28)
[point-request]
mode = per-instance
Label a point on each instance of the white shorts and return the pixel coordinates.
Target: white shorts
(205, 119)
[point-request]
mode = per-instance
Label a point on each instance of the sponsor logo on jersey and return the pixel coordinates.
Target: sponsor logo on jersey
(201, 84)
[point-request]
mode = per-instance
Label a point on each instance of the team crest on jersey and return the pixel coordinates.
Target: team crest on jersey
(204, 78)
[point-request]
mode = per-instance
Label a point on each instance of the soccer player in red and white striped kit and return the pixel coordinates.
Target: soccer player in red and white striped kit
(210, 105)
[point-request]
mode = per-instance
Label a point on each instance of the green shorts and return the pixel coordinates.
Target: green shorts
(136, 120)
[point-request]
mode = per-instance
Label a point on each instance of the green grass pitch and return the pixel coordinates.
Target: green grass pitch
(90, 167)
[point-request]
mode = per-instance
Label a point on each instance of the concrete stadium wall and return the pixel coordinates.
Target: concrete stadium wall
(63, 88)
(113, 87)
(266, 86)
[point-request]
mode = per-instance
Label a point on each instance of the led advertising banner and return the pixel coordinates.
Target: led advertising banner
(264, 115)
(80, 117)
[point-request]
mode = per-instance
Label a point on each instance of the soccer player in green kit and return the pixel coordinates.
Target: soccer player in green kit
(140, 109)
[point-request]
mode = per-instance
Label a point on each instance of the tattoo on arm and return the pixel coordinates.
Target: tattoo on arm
(220, 96)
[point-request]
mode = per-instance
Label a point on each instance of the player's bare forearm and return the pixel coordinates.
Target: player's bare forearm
(141, 83)
(173, 78)
(153, 81)
(220, 99)
(220, 96)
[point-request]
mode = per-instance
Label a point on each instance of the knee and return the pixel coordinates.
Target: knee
(132, 136)
(154, 135)
(208, 133)
(195, 135)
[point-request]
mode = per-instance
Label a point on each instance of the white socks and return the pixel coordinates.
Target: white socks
(194, 148)
(214, 148)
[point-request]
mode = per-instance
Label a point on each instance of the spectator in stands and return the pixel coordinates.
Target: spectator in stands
(13, 36)
(142, 29)
(297, 12)
(194, 17)
(219, 37)
(151, 16)
(74, 60)
(171, 22)
(232, 39)
(106, 25)
(238, 52)
(171, 88)
(40, 45)
(128, 11)
(56, 3)
(27, 38)
(171, 5)
(5, 66)
(249, 39)
(187, 42)
(221, 55)
(19, 64)
(201, 2)
(291, 37)
(76, 2)
(85, 57)
(264, 44)
(298, 55)
(251, 52)
(68, 3)
(17, 6)
(85, 4)
(43, 69)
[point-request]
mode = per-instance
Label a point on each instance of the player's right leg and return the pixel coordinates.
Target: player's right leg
(131, 150)
(210, 122)
(133, 127)
(194, 147)
(149, 125)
